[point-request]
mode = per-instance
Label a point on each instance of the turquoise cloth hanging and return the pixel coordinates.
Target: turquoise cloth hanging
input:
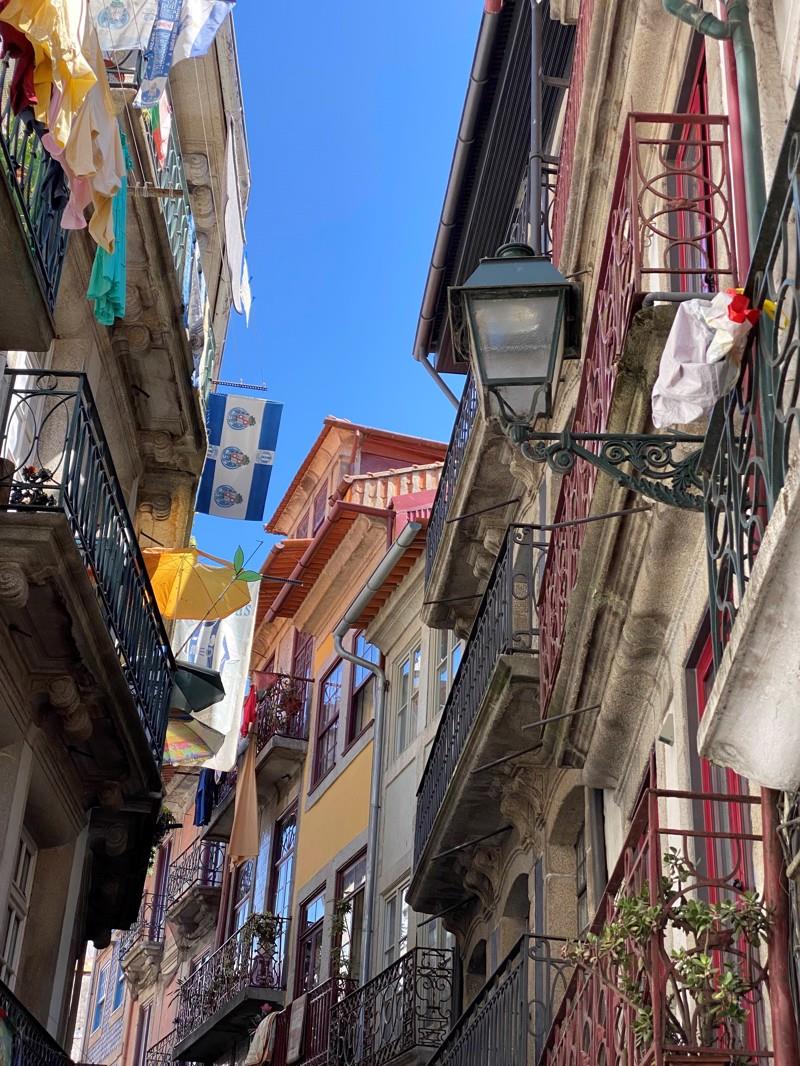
(109, 272)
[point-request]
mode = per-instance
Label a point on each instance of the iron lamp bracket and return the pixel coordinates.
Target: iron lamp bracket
(656, 465)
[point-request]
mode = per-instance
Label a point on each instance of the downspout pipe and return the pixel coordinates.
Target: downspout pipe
(737, 29)
(351, 618)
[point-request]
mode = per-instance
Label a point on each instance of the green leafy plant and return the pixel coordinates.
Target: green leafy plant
(701, 950)
(239, 568)
(341, 961)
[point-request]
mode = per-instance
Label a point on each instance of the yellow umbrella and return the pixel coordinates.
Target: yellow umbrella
(185, 586)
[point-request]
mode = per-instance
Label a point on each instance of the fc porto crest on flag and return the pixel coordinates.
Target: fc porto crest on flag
(242, 435)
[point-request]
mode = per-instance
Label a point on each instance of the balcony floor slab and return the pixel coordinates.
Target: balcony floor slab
(230, 1024)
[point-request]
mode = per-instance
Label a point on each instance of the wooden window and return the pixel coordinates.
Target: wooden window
(581, 884)
(362, 700)
(19, 899)
(395, 925)
(280, 892)
(303, 655)
(100, 997)
(302, 527)
(448, 659)
(309, 952)
(142, 1037)
(350, 914)
(320, 505)
(407, 712)
(434, 935)
(328, 722)
(242, 895)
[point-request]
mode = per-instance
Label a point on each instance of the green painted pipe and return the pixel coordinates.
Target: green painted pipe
(737, 29)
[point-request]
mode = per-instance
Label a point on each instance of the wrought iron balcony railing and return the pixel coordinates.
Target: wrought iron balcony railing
(670, 230)
(509, 1019)
(506, 623)
(282, 710)
(148, 927)
(160, 1054)
(252, 958)
(753, 434)
(408, 1005)
(32, 178)
(54, 456)
(316, 1042)
(202, 864)
(31, 1044)
(465, 417)
(227, 786)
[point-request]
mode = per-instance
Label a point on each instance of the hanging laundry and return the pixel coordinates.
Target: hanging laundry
(234, 222)
(243, 842)
(160, 128)
(15, 45)
(205, 797)
(247, 297)
(109, 271)
(249, 711)
(92, 159)
(182, 29)
(55, 29)
(123, 25)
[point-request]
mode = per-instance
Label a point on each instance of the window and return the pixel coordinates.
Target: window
(395, 925)
(303, 654)
(242, 894)
(100, 997)
(433, 935)
(302, 527)
(320, 503)
(362, 701)
(309, 953)
(19, 900)
(119, 987)
(142, 1036)
(448, 658)
(581, 886)
(350, 918)
(407, 700)
(282, 875)
(328, 722)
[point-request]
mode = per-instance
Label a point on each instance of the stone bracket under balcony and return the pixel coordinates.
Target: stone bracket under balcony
(489, 474)
(479, 803)
(142, 964)
(194, 915)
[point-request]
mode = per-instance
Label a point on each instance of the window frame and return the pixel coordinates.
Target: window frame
(453, 647)
(246, 902)
(99, 999)
(301, 531)
(357, 688)
(582, 916)
(318, 515)
(356, 932)
(118, 984)
(326, 726)
(308, 936)
(404, 707)
(395, 898)
(18, 909)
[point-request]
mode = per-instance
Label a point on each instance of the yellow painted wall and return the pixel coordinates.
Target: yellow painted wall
(336, 819)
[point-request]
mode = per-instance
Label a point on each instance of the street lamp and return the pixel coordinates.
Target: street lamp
(515, 320)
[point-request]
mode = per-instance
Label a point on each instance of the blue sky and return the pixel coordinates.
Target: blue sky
(352, 111)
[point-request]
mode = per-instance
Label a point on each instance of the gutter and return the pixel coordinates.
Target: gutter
(479, 76)
(308, 554)
(350, 619)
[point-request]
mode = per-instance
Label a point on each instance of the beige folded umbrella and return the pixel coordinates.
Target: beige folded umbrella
(244, 831)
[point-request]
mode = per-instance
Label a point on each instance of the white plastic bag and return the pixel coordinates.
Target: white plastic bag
(700, 362)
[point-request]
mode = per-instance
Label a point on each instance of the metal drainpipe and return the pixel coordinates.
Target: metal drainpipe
(737, 29)
(437, 377)
(353, 614)
(535, 156)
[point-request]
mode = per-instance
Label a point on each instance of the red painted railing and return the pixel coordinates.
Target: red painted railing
(316, 1049)
(566, 156)
(670, 229)
(598, 1018)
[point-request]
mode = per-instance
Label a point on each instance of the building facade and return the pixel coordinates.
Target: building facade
(102, 440)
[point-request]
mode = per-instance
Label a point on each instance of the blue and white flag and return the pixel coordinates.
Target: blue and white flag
(242, 435)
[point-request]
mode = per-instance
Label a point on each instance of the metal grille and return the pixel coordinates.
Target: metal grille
(506, 622)
(459, 438)
(32, 176)
(148, 927)
(408, 1005)
(62, 461)
(282, 710)
(160, 1054)
(317, 1023)
(32, 1045)
(670, 229)
(251, 958)
(202, 864)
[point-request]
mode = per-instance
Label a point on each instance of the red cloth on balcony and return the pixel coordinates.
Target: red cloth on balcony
(15, 44)
(264, 679)
(249, 711)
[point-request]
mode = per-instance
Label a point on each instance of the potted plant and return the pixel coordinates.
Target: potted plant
(708, 972)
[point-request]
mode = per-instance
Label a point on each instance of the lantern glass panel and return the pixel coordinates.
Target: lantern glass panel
(514, 336)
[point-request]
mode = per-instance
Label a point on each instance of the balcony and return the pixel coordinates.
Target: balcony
(193, 890)
(496, 684)
(141, 946)
(752, 511)
(669, 230)
(160, 1054)
(221, 1001)
(402, 1015)
(538, 1009)
(77, 602)
(32, 242)
(32, 1044)
(280, 734)
(315, 1046)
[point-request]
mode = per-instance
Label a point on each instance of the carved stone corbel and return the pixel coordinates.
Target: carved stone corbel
(65, 700)
(13, 585)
